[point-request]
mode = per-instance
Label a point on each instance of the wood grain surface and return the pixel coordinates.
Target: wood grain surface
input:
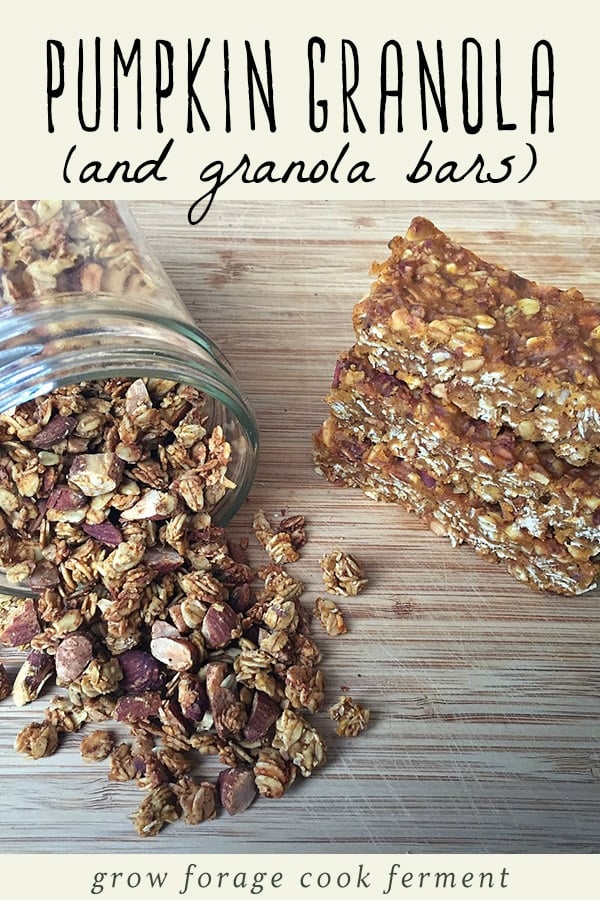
(485, 696)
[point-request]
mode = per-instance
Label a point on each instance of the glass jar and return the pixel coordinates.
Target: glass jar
(83, 298)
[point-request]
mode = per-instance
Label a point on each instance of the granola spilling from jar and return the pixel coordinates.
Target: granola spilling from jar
(143, 619)
(143, 611)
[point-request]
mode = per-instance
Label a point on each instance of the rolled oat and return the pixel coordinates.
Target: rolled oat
(96, 746)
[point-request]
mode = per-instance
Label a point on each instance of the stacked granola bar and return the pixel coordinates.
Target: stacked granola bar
(472, 397)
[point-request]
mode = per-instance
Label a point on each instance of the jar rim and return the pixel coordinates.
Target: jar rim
(53, 308)
(137, 342)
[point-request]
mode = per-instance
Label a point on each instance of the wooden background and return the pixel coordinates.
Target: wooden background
(485, 696)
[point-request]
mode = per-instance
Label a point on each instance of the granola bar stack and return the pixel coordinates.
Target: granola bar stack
(472, 397)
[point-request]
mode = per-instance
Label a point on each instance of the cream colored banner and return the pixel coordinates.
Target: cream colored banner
(170, 877)
(315, 100)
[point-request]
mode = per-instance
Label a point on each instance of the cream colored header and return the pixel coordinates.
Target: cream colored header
(314, 101)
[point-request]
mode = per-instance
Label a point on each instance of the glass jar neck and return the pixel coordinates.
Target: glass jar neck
(46, 345)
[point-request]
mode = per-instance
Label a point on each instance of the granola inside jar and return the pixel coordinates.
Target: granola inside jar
(99, 361)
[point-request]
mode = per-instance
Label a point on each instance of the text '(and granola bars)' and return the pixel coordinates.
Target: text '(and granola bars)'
(260, 91)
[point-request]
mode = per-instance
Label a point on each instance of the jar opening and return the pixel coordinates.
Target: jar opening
(45, 346)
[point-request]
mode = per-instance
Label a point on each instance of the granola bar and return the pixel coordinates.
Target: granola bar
(541, 562)
(500, 347)
(533, 486)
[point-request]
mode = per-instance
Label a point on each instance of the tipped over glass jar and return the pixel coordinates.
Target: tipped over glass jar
(111, 399)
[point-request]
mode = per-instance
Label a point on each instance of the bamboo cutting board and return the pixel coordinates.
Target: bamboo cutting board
(484, 696)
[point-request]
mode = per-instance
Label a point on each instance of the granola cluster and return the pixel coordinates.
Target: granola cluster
(144, 612)
(282, 545)
(350, 717)
(342, 574)
(225, 667)
(330, 616)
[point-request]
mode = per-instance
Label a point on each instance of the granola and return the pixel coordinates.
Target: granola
(122, 763)
(156, 809)
(197, 800)
(141, 610)
(342, 574)
(503, 349)
(96, 745)
(282, 545)
(66, 715)
(37, 740)
(55, 246)
(273, 774)
(298, 742)
(304, 687)
(351, 718)
(330, 616)
(191, 676)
